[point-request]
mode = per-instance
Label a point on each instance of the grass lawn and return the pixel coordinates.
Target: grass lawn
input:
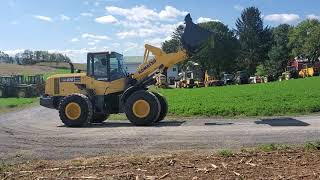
(11, 104)
(298, 96)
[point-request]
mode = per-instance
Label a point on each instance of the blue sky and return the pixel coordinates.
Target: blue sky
(74, 27)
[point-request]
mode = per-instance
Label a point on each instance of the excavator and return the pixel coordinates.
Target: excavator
(106, 88)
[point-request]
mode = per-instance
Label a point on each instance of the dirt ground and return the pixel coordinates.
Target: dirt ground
(288, 164)
(6, 69)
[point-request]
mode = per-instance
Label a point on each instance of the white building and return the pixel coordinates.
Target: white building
(131, 64)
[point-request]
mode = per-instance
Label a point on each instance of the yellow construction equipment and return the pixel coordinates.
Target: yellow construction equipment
(84, 98)
(210, 81)
(306, 71)
(161, 81)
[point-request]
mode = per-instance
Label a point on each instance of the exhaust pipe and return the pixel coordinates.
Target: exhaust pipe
(194, 37)
(71, 67)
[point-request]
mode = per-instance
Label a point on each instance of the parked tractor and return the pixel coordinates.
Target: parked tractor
(290, 73)
(211, 81)
(21, 86)
(306, 71)
(186, 80)
(161, 81)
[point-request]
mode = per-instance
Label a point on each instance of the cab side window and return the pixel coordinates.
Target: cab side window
(100, 69)
(115, 69)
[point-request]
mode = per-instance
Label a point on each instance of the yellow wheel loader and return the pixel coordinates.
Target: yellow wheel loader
(85, 98)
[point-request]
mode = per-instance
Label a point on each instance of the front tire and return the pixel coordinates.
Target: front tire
(142, 108)
(164, 106)
(75, 110)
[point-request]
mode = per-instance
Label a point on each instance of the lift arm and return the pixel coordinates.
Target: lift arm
(192, 39)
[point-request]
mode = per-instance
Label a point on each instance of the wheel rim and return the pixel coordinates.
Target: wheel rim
(141, 108)
(73, 111)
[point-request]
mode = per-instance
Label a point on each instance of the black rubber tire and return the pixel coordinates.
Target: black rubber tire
(22, 93)
(99, 117)
(1, 92)
(164, 106)
(155, 108)
(86, 110)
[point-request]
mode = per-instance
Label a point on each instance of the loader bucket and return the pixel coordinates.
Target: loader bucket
(194, 36)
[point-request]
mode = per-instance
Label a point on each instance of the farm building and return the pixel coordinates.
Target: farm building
(131, 64)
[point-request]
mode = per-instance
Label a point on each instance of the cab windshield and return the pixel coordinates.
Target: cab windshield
(107, 67)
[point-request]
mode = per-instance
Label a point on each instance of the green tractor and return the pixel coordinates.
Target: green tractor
(21, 86)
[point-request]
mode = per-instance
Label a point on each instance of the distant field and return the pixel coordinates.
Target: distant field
(8, 69)
(300, 96)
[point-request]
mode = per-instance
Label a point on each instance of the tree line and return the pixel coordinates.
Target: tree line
(252, 47)
(32, 57)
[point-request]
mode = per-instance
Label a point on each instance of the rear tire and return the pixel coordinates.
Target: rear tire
(22, 93)
(164, 106)
(142, 108)
(1, 93)
(75, 110)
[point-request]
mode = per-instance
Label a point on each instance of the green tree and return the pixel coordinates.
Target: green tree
(279, 53)
(174, 44)
(221, 51)
(255, 39)
(304, 39)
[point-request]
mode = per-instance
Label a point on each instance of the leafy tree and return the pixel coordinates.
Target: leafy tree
(255, 40)
(221, 51)
(305, 39)
(174, 44)
(279, 53)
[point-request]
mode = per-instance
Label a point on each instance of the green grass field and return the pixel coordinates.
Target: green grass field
(299, 96)
(11, 104)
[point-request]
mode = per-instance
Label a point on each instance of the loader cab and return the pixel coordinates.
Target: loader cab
(105, 66)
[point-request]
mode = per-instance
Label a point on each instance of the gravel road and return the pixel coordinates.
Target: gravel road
(37, 133)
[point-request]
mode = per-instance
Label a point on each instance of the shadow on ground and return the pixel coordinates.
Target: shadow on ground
(282, 122)
(217, 124)
(128, 124)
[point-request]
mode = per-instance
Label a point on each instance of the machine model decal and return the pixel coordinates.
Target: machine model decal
(70, 79)
(150, 63)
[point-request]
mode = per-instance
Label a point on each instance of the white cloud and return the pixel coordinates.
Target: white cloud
(282, 18)
(313, 16)
(91, 43)
(142, 13)
(64, 17)
(106, 19)
(157, 41)
(161, 29)
(92, 36)
(238, 7)
(206, 19)
(171, 13)
(86, 14)
(75, 40)
(43, 18)
(130, 46)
